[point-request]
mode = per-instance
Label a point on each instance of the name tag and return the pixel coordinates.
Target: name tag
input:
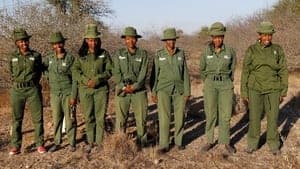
(101, 56)
(122, 57)
(161, 59)
(275, 52)
(31, 58)
(138, 59)
(179, 58)
(64, 64)
(14, 59)
(209, 56)
(226, 57)
(50, 62)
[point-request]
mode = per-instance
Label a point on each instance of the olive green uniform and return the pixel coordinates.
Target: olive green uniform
(62, 88)
(93, 100)
(132, 68)
(217, 71)
(171, 83)
(26, 73)
(264, 79)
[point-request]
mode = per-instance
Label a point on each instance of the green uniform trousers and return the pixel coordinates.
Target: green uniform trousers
(31, 95)
(259, 103)
(165, 102)
(60, 109)
(139, 104)
(94, 108)
(218, 100)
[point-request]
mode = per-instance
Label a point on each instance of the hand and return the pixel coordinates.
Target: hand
(186, 98)
(154, 99)
(281, 98)
(245, 100)
(91, 84)
(72, 102)
(129, 89)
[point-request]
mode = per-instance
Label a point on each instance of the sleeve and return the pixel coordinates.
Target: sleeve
(104, 76)
(118, 78)
(77, 72)
(154, 75)
(283, 72)
(233, 64)
(186, 79)
(143, 73)
(202, 65)
(245, 73)
(74, 91)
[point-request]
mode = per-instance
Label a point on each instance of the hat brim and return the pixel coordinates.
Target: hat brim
(266, 32)
(136, 36)
(58, 41)
(26, 37)
(164, 39)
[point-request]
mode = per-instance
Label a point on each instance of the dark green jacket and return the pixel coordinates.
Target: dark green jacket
(130, 66)
(25, 69)
(59, 74)
(264, 70)
(170, 72)
(222, 63)
(97, 68)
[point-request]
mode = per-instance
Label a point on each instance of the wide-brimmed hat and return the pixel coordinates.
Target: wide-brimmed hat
(130, 31)
(217, 29)
(20, 33)
(57, 37)
(265, 27)
(91, 31)
(169, 33)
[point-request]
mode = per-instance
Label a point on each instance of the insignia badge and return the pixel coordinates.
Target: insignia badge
(138, 59)
(31, 58)
(226, 57)
(101, 56)
(121, 57)
(209, 56)
(161, 59)
(14, 59)
(179, 58)
(50, 61)
(64, 64)
(275, 52)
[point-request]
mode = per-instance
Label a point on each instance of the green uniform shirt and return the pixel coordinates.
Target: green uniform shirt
(131, 66)
(25, 68)
(171, 73)
(264, 70)
(97, 68)
(222, 63)
(58, 71)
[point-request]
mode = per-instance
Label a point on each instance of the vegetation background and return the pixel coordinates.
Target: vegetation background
(70, 16)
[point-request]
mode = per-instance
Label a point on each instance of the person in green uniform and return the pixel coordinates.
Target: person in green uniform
(264, 84)
(63, 90)
(170, 83)
(217, 64)
(25, 66)
(92, 69)
(130, 70)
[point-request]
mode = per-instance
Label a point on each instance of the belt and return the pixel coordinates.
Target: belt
(24, 84)
(219, 77)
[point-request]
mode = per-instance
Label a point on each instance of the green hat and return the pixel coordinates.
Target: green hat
(265, 27)
(217, 29)
(169, 33)
(20, 33)
(91, 31)
(57, 37)
(130, 31)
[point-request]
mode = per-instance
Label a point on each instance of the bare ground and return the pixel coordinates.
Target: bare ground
(119, 151)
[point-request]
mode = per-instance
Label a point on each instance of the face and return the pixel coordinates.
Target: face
(92, 43)
(130, 42)
(265, 39)
(23, 44)
(217, 41)
(170, 43)
(58, 47)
